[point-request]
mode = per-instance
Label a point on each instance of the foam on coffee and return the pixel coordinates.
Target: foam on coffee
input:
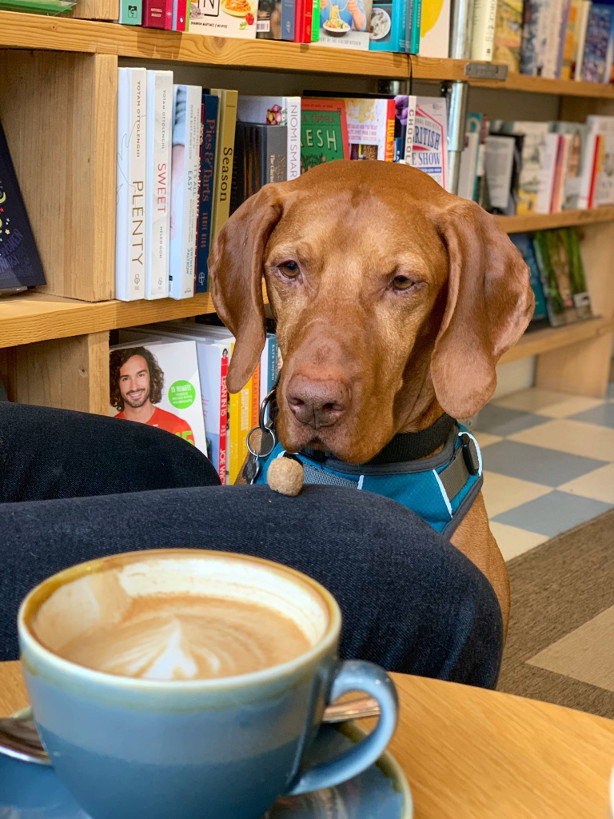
(181, 618)
(179, 637)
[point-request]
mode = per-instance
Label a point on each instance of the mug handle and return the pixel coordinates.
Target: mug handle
(356, 675)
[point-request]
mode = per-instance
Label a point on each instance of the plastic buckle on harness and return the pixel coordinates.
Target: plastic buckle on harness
(470, 454)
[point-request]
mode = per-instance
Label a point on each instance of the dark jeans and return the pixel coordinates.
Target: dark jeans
(410, 600)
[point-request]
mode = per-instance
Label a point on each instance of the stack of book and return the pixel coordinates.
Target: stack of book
(227, 418)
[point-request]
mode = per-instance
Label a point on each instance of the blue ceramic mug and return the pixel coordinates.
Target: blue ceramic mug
(113, 657)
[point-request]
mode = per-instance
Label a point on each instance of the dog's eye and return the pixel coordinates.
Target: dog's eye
(289, 269)
(402, 283)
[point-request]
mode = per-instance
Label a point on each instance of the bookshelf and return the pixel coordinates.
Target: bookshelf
(57, 105)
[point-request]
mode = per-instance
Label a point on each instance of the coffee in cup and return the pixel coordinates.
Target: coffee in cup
(187, 682)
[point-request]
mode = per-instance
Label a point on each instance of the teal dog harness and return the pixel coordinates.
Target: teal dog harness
(439, 488)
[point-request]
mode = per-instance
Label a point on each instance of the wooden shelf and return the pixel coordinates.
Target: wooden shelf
(535, 342)
(528, 222)
(29, 31)
(35, 316)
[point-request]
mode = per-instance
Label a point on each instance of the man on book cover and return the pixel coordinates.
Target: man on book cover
(136, 386)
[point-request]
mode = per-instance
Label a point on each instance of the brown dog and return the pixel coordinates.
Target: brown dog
(394, 301)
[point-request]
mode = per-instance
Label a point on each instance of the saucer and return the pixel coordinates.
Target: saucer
(29, 791)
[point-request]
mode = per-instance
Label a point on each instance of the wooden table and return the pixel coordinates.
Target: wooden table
(473, 753)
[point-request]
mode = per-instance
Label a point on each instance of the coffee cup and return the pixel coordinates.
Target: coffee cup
(189, 683)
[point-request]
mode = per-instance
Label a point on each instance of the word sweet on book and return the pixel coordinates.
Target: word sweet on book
(20, 264)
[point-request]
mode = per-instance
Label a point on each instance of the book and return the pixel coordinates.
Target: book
(268, 20)
(158, 14)
(276, 111)
(530, 160)
(508, 34)
(474, 123)
(288, 20)
(570, 47)
(158, 182)
(558, 13)
(180, 15)
(130, 12)
(599, 44)
(596, 176)
(427, 142)
(411, 42)
(388, 27)
(224, 18)
(222, 177)
(483, 29)
(524, 244)
(324, 134)
(260, 158)
(205, 193)
(342, 28)
(550, 160)
(184, 189)
(574, 163)
(20, 264)
(303, 21)
(155, 380)
(534, 35)
(499, 160)
(468, 165)
(131, 193)
(562, 275)
(370, 125)
(576, 69)
(435, 28)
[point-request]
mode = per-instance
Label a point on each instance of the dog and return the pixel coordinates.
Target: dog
(393, 299)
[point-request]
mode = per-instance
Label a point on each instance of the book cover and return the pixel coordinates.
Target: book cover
(524, 244)
(324, 134)
(468, 165)
(555, 275)
(603, 177)
(534, 36)
(268, 20)
(158, 182)
(530, 160)
(574, 165)
(483, 29)
(155, 381)
(388, 31)
(184, 189)
(158, 14)
(598, 45)
(130, 12)
(508, 33)
(269, 110)
(224, 18)
(205, 207)
(345, 25)
(222, 180)
(581, 298)
(428, 149)
(20, 264)
(576, 69)
(499, 162)
(370, 124)
(435, 28)
(131, 193)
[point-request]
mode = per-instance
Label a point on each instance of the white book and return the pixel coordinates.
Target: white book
(185, 167)
(131, 192)
(174, 400)
(468, 165)
(499, 164)
(158, 184)
(428, 149)
(600, 138)
(483, 29)
(550, 150)
(276, 111)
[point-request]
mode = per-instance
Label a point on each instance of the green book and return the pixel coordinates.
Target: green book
(324, 133)
(131, 12)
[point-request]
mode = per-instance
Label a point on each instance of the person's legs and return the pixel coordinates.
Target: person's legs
(410, 600)
(55, 453)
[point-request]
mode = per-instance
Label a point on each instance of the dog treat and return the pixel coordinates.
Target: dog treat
(285, 476)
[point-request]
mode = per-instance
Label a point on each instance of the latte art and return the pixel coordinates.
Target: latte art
(186, 637)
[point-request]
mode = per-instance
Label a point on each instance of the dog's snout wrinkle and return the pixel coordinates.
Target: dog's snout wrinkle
(318, 402)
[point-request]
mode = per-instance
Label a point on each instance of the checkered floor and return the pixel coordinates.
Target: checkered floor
(548, 464)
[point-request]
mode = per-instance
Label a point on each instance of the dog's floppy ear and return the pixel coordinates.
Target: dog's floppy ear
(235, 267)
(489, 305)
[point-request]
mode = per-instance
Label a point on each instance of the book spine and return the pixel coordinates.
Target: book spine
(293, 123)
(582, 28)
(299, 20)
(223, 458)
(157, 14)
(483, 34)
(255, 395)
(543, 202)
(131, 185)
(184, 190)
(206, 191)
(416, 27)
(315, 22)
(390, 122)
(159, 140)
(412, 102)
(224, 157)
(180, 9)
(274, 149)
(130, 12)
(588, 166)
(288, 20)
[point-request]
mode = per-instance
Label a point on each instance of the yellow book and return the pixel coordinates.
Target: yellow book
(224, 154)
(240, 408)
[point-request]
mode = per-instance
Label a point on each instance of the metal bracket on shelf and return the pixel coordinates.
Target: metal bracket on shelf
(485, 71)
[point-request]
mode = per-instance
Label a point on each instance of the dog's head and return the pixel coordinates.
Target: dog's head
(393, 299)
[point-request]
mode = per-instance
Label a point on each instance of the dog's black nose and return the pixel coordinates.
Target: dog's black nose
(317, 403)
